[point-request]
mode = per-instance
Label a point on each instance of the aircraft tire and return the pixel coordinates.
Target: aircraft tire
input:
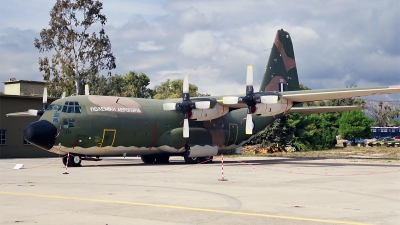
(72, 161)
(207, 159)
(75, 161)
(148, 159)
(162, 158)
(64, 160)
(190, 160)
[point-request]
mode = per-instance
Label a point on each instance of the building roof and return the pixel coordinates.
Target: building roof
(26, 97)
(13, 80)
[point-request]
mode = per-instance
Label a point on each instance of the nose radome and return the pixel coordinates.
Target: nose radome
(41, 133)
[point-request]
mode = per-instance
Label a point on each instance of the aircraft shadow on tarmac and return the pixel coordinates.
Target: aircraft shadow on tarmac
(300, 161)
(317, 162)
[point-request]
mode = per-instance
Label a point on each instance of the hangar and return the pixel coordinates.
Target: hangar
(19, 96)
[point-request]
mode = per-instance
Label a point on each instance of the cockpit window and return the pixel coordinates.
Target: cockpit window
(54, 107)
(78, 109)
(72, 107)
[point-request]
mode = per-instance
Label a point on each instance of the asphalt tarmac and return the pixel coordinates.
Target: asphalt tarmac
(256, 190)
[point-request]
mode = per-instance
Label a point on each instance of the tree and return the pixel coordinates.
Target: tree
(136, 85)
(173, 89)
(384, 115)
(315, 131)
(130, 85)
(354, 124)
(79, 53)
(278, 134)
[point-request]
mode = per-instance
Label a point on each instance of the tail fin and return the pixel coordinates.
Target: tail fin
(281, 72)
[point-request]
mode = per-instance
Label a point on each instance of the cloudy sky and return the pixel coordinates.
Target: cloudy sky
(336, 43)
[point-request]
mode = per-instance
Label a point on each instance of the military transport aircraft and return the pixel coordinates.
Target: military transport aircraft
(89, 126)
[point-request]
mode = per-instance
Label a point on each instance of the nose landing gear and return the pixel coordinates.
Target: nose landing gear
(73, 161)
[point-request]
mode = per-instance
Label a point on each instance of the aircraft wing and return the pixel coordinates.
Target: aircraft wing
(327, 94)
(323, 109)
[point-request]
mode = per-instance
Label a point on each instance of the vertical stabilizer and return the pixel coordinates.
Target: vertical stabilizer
(281, 72)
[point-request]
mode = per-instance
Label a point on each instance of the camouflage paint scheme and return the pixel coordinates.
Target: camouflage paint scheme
(115, 126)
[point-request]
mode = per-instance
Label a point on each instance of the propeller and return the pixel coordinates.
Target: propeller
(186, 106)
(249, 100)
(34, 112)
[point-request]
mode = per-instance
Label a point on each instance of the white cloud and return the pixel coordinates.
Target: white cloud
(336, 43)
(198, 44)
(149, 46)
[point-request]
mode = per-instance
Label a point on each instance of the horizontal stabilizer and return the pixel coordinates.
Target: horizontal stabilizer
(323, 109)
(328, 94)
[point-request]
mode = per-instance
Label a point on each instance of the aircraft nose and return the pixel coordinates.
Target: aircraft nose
(41, 133)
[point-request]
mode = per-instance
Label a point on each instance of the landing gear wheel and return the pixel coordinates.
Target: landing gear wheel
(162, 158)
(148, 158)
(64, 160)
(207, 159)
(73, 161)
(190, 160)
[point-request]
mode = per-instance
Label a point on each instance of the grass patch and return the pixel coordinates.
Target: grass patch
(387, 153)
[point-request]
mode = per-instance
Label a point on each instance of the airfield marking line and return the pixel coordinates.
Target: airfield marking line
(184, 208)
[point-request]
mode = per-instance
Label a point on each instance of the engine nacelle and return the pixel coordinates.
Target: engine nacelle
(272, 109)
(209, 114)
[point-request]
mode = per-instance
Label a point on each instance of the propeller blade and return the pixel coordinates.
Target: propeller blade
(249, 124)
(249, 78)
(186, 84)
(230, 100)
(63, 95)
(87, 89)
(169, 106)
(185, 128)
(269, 99)
(44, 106)
(45, 95)
(33, 112)
(202, 104)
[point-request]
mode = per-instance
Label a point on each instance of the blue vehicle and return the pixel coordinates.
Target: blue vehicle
(378, 132)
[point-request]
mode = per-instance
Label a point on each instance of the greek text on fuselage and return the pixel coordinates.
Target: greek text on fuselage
(114, 109)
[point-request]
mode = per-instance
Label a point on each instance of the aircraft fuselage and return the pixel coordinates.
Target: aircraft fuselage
(114, 126)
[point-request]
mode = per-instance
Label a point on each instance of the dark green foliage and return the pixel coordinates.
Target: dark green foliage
(131, 85)
(278, 134)
(173, 89)
(354, 124)
(314, 132)
(79, 52)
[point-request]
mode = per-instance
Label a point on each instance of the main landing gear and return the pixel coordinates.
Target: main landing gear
(155, 158)
(73, 161)
(195, 160)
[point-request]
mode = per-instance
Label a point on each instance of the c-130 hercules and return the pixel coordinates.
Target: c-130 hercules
(96, 126)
